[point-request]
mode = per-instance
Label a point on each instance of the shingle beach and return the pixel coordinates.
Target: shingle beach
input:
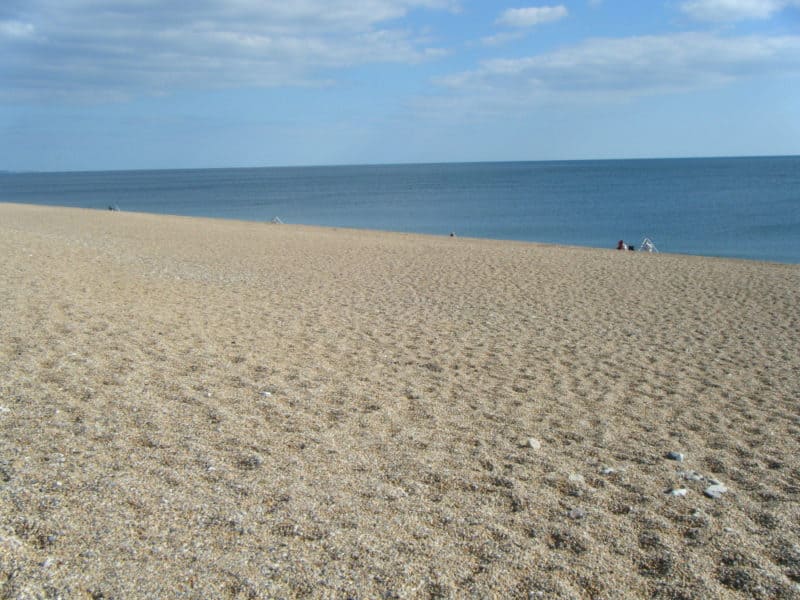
(198, 408)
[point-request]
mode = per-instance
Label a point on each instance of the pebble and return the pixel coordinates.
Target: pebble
(672, 455)
(576, 513)
(691, 475)
(533, 443)
(252, 461)
(413, 394)
(607, 471)
(677, 492)
(715, 490)
(266, 394)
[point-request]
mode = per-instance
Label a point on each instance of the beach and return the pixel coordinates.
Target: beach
(199, 408)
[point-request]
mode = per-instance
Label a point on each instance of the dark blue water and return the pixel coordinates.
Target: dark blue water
(734, 207)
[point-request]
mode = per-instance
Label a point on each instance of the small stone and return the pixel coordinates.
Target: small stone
(691, 476)
(266, 394)
(672, 455)
(715, 491)
(677, 492)
(533, 443)
(576, 513)
(251, 462)
(607, 471)
(577, 478)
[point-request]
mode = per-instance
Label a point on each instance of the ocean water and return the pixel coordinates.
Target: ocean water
(730, 207)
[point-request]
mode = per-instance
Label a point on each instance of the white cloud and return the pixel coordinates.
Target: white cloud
(16, 29)
(108, 48)
(616, 69)
(504, 37)
(734, 10)
(528, 17)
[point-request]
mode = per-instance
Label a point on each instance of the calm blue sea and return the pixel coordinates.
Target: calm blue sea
(734, 207)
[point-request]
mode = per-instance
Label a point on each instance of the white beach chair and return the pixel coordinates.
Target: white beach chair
(648, 246)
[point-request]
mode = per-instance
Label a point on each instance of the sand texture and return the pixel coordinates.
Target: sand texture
(192, 408)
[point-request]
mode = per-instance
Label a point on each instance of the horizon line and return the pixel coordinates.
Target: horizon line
(397, 164)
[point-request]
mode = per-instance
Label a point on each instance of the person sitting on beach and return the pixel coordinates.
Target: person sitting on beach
(621, 245)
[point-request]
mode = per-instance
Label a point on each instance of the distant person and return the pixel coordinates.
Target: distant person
(621, 245)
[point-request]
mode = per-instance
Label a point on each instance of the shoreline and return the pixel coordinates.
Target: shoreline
(195, 407)
(399, 232)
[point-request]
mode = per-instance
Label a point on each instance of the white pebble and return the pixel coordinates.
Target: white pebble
(576, 513)
(715, 491)
(678, 492)
(533, 443)
(691, 475)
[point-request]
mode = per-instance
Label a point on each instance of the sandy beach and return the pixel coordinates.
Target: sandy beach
(194, 408)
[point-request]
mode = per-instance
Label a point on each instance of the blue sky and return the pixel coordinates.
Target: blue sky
(131, 84)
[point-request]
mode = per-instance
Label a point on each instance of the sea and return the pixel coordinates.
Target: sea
(727, 207)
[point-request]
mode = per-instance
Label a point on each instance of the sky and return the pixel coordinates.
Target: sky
(149, 84)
